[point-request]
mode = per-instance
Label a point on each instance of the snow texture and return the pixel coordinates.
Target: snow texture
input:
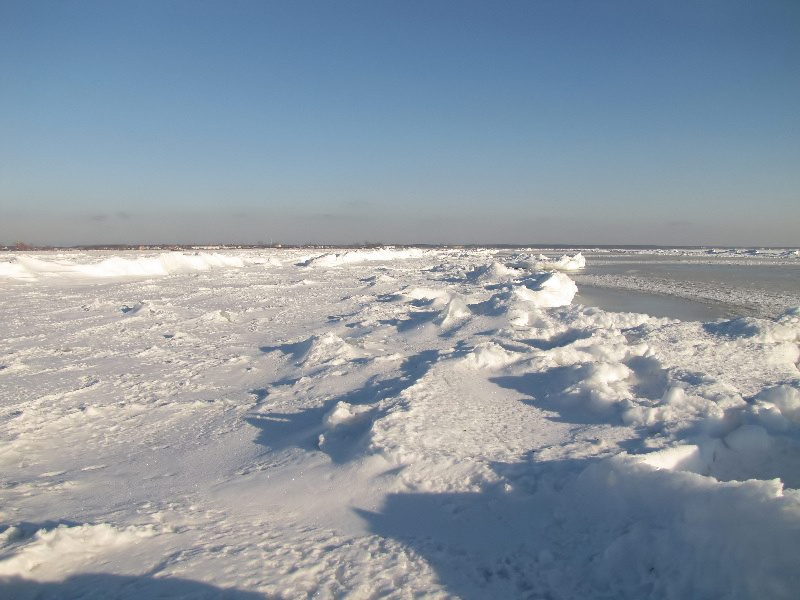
(388, 423)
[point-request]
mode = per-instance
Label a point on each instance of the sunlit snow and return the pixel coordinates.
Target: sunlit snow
(396, 423)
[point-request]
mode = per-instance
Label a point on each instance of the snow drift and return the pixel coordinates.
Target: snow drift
(31, 268)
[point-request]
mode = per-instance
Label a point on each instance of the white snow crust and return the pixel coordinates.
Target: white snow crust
(32, 268)
(387, 423)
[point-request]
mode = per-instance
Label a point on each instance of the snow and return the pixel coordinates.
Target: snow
(391, 423)
(31, 268)
(65, 548)
(541, 262)
(337, 259)
(549, 290)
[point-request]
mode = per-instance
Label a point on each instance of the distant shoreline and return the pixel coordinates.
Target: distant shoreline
(312, 246)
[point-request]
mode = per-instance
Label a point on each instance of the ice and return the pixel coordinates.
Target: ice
(541, 262)
(694, 284)
(554, 289)
(393, 423)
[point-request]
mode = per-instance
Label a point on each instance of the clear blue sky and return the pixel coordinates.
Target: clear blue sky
(544, 121)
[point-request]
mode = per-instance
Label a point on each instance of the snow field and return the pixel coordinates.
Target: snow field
(385, 423)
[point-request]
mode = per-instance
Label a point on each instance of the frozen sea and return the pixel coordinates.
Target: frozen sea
(693, 286)
(400, 423)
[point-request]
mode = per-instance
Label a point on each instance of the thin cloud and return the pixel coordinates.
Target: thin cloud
(357, 204)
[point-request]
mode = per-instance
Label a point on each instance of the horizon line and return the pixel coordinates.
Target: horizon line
(24, 247)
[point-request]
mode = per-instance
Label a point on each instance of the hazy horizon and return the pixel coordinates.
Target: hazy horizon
(367, 244)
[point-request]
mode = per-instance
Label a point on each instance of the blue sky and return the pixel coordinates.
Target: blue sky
(586, 122)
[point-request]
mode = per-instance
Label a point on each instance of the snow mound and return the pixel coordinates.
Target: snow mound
(438, 297)
(345, 413)
(492, 272)
(541, 262)
(32, 268)
(570, 263)
(736, 533)
(14, 270)
(605, 385)
(684, 457)
(784, 399)
(327, 349)
(65, 546)
(338, 259)
(455, 312)
(547, 291)
(490, 355)
(784, 328)
(521, 300)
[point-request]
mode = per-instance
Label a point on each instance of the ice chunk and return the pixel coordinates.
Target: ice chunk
(550, 290)
(564, 263)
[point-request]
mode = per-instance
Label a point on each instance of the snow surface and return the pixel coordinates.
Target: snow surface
(386, 423)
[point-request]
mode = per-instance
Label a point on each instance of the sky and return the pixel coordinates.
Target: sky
(533, 122)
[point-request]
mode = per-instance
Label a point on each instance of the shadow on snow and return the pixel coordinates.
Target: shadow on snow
(302, 429)
(598, 528)
(117, 587)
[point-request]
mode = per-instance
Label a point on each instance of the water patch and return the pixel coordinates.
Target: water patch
(657, 305)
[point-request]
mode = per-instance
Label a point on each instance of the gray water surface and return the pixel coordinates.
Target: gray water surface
(656, 305)
(689, 288)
